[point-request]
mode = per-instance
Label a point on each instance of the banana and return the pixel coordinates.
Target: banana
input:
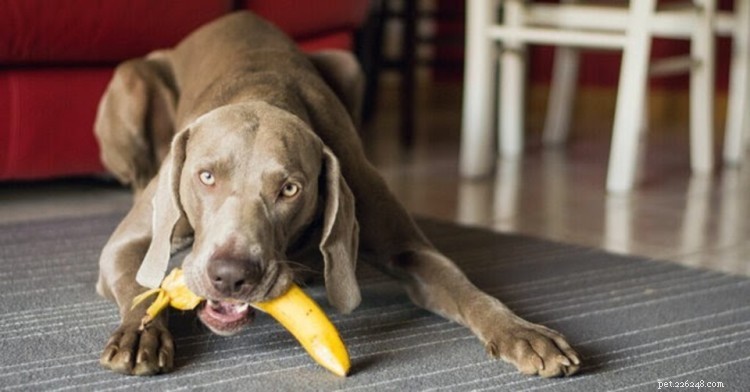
(294, 310)
(304, 319)
(173, 292)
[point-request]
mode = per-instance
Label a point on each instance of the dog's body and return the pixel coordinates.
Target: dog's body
(240, 145)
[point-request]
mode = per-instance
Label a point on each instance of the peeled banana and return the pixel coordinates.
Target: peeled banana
(294, 310)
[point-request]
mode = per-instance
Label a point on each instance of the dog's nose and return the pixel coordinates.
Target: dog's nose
(231, 276)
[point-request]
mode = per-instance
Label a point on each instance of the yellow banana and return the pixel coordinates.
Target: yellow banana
(304, 319)
(173, 291)
(294, 310)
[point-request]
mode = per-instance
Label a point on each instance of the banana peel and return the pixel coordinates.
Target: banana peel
(173, 292)
(294, 310)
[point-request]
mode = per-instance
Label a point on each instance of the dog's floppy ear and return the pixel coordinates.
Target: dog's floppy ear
(167, 211)
(340, 238)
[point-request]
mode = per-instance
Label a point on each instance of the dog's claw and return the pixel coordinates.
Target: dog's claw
(534, 349)
(107, 355)
(132, 351)
(165, 359)
(121, 363)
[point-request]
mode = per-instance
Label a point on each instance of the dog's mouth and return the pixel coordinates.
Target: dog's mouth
(225, 317)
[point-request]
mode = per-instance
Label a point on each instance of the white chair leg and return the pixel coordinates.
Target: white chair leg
(512, 77)
(511, 85)
(477, 147)
(640, 164)
(702, 90)
(737, 130)
(630, 94)
(561, 96)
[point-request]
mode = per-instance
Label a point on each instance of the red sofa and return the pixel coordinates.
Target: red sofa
(57, 56)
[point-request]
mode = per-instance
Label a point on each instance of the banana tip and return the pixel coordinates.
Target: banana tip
(339, 370)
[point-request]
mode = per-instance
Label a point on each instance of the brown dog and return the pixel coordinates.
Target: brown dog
(240, 145)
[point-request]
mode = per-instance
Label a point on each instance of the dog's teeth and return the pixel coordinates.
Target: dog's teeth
(241, 308)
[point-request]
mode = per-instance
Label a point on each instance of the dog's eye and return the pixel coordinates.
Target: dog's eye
(290, 190)
(207, 177)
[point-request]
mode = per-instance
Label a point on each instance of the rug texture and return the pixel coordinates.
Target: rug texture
(637, 323)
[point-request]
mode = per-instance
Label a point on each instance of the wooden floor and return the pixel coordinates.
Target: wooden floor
(556, 194)
(559, 194)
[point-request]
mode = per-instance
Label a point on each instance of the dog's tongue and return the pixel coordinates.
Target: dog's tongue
(227, 312)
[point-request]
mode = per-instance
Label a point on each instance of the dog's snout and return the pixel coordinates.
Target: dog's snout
(231, 277)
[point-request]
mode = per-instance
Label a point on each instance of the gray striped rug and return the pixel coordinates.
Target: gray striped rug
(637, 322)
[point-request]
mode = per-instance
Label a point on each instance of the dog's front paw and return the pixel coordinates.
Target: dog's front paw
(534, 349)
(141, 353)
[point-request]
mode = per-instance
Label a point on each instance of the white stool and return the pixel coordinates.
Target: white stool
(628, 28)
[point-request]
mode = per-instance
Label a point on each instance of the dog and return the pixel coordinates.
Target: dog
(244, 151)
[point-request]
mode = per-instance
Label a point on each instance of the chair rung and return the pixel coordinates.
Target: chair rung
(667, 23)
(725, 23)
(557, 37)
(672, 66)
(574, 16)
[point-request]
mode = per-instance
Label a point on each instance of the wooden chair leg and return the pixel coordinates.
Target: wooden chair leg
(561, 96)
(562, 93)
(512, 86)
(702, 90)
(477, 147)
(737, 131)
(408, 74)
(631, 91)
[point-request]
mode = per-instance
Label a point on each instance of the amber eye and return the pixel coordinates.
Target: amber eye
(290, 190)
(207, 178)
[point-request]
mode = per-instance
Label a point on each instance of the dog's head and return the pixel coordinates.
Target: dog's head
(251, 180)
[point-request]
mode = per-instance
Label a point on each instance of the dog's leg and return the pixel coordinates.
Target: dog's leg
(135, 120)
(130, 350)
(434, 282)
(391, 240)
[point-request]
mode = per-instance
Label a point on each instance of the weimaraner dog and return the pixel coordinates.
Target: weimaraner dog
(245, 151)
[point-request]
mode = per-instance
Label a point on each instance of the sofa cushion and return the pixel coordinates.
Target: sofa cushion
(294, 16)
(46, 122)
(36, 32)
